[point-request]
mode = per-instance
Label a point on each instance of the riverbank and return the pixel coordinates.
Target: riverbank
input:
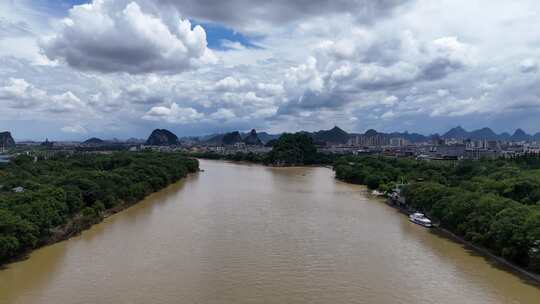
(480, 201)
(498, 261)
(530, 277)
(243, 162)
(59, 197)
(80, 223)
(256, 161)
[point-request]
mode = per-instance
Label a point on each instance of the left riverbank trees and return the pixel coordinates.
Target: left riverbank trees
(66, 188)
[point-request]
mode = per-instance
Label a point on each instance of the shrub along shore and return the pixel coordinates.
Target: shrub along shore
(44, 201)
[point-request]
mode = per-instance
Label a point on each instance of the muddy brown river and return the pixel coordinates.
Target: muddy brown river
(250, 234)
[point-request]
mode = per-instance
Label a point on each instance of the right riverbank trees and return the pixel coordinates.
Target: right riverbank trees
(39, 197)
(492, 203)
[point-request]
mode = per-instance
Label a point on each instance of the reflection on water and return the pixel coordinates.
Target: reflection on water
(250, 234)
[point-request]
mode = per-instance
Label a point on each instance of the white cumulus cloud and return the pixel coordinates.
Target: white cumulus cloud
(75, 129)
(23, 95)
(121, 36)
(173, 114)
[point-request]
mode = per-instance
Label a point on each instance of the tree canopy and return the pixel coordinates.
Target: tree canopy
(83, 185)
(492, 203)
(289, 150)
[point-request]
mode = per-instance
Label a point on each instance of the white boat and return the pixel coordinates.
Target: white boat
(420, 219)
(377, 193)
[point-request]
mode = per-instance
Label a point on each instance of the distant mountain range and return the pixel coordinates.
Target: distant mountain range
(335, 135)
(93, 141)
(162, 137)
(411, 137)
(488, 134)
(460, 134)
(6, 141)
(250, 138)
(231, 138)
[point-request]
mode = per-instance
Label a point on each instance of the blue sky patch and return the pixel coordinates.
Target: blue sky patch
(216, 34)
(57, 7)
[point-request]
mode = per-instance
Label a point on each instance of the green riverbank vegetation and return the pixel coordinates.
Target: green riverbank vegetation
(491, 203)
(290, 149)
(42, 200)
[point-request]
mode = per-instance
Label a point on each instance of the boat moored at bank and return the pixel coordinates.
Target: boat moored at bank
(420, 219)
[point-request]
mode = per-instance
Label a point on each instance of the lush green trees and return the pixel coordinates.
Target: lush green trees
(81, 186)
(493, 203)
(238, 156)
(288, 150)
(532, 227)
(293, 149)
(508, 233)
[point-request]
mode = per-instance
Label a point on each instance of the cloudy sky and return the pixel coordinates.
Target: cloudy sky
(71, 69)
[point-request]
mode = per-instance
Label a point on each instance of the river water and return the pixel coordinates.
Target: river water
(250, 234)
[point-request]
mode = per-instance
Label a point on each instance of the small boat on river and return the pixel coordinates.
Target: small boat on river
(377, 193)
(420, 219)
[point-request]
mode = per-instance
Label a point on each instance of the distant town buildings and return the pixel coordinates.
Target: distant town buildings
(369, 140)
(4, 158)
(435, 147)
(398, 142)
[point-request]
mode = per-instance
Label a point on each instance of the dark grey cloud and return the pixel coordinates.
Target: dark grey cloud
(248, 14)
(346, 71)
(312, 101)
(521, 95)
(440, 68)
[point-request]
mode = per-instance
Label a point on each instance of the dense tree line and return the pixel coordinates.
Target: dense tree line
(76, 188)
(492, 203)
(288, 150)
(296, 149)
(251, 157)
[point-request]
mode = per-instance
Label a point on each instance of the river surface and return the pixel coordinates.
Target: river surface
(250, 234)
